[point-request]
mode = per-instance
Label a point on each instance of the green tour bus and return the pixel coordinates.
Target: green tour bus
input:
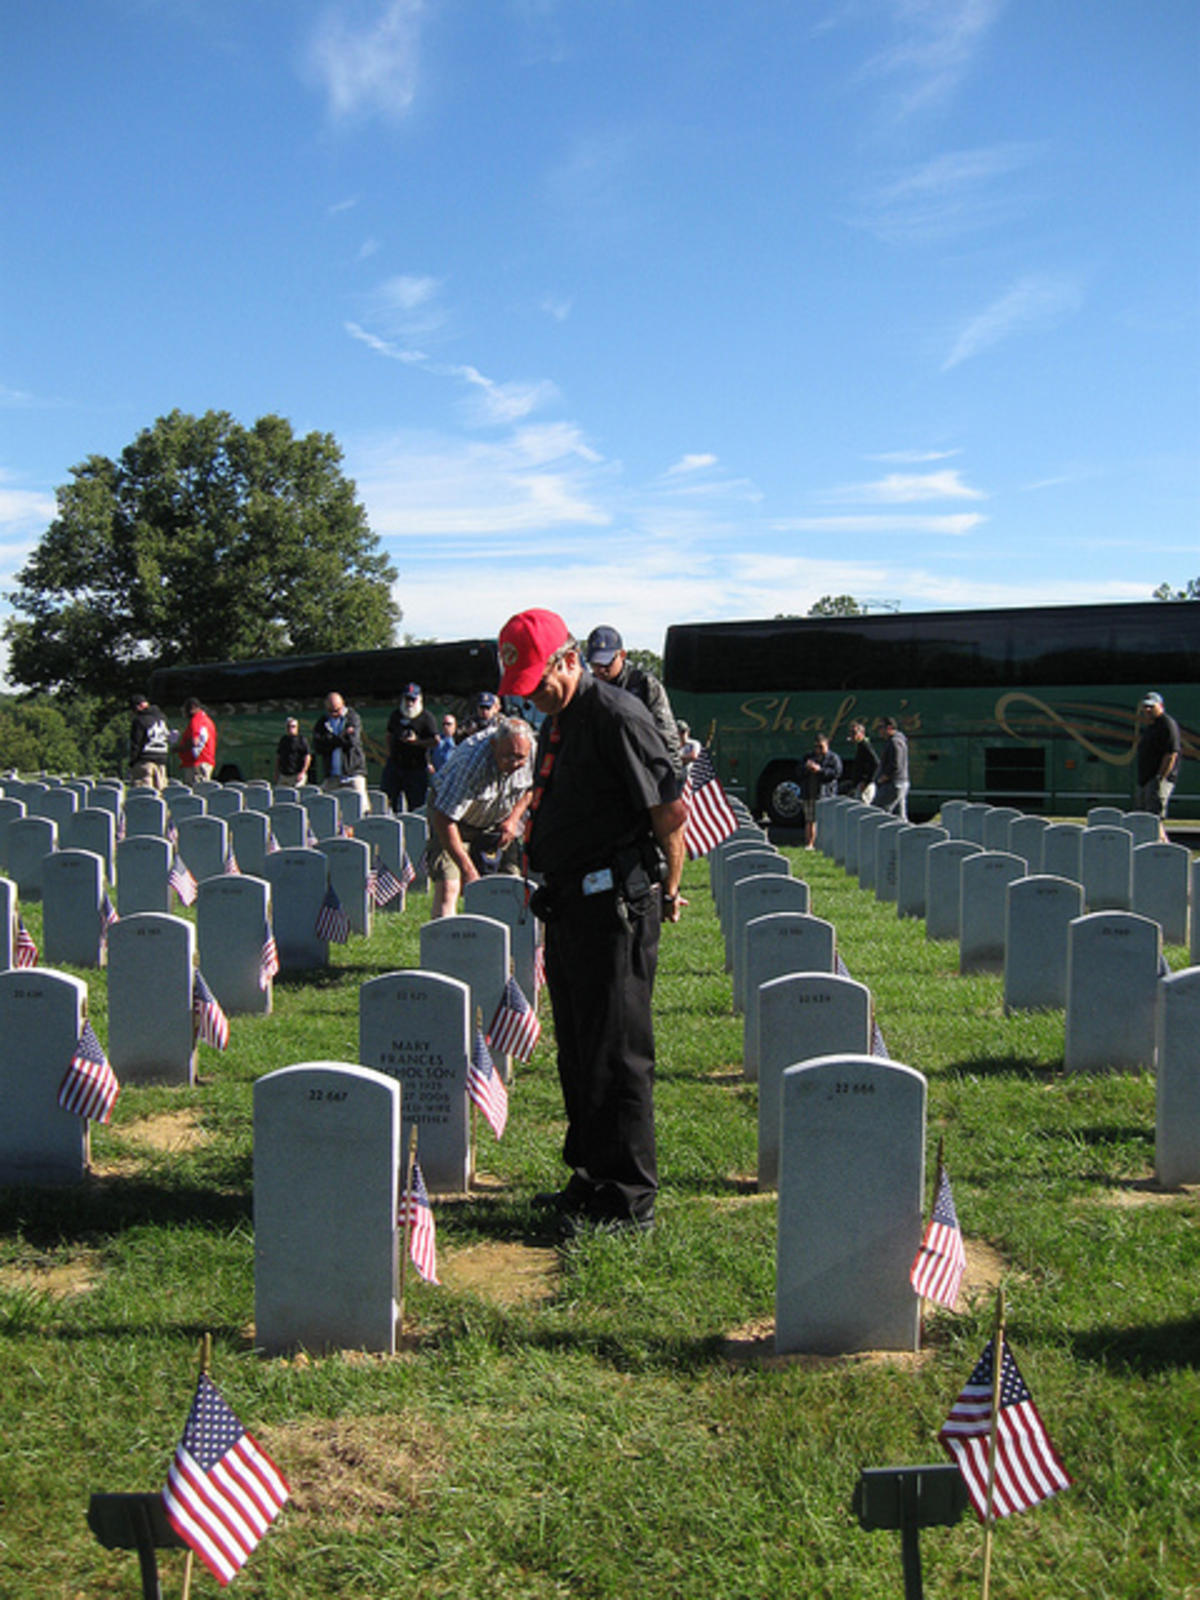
(1034, 708)
(249, 700)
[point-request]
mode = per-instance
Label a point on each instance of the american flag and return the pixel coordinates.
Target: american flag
(90, 1086)
(181, 880)
(272, 845)
(209, 1023)
(108, 916)
(382, 883)
(486, 1087)
(709, 817)
(172, 835)
(1027, 1465)
(416, 1214)
(310, 838)
(539, 967)
(231, 868)
(940, 1262)
(268, 962)
(120, 825)
(25, 951)
(333, 923)
(408, 873)
(223, 1490)
(515, 1028)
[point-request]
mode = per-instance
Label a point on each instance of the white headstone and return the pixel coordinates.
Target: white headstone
(92, 828)
(887, 863)
(384, 837)
(10, 810)
(851, 1173)
(1025, 837)
(9, 911)
(183, 807)
(1160, 887)
(415, 1026)
(143, 861)
(1106, 868)
(802, 1016)
(983, 887)
(912, 867)
(1113, 962)
(776, 945)
(248, 834)
(416, 837)
(72, 889)
(233, 918)
(973, 815)
(867, 829)
(151, 960)
(41, 1019)
(226, 803)
(1177, 1116)
(289, 824)
(328, 1162)
(943, 874)
(145, 813)
(950, 817)
(349, 863)
(1039, 915)
(30, 840)
(1105, 817)
(997, 824)
(475, 950)
(753, 897)
(1143, 827)
(505, 899)
(298, 879)
(323, 813)
(203, 846)
(1062, 845)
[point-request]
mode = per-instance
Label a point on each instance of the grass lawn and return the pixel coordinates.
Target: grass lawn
(606, 1419)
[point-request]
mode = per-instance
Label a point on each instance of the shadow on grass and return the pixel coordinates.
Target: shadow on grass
(1003, 1067)
(1153, 1348)
(103, 1206)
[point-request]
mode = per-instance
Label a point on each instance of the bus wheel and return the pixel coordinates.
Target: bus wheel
(783, 797)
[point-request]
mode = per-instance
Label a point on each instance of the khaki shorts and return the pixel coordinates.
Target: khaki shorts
(441, 866)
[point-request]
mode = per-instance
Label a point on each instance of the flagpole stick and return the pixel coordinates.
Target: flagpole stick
(989, 1522)
(205, 1362)
(404, 1243)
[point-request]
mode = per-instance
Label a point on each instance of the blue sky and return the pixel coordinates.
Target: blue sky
(642, 310)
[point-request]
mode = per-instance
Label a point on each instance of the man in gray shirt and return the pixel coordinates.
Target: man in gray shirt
(606, 655)
(891, 775)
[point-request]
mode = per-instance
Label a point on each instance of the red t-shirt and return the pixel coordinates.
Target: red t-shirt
(198, 743)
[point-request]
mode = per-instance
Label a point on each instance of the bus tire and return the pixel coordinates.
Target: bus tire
(781, 795)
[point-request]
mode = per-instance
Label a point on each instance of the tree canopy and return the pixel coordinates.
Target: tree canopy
(1191, 591)
(836, 605)
(205, 541)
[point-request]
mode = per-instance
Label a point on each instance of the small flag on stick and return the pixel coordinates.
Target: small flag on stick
(210, 1025)
(333, 921)
(709, 816)
(231, 868)
(383, 884)
(486, 1087)
(90, 1086)
(515, 1029)
(181, 880)
(937, 1270)
(25, 951)
(223, 1490)
(268, 964)
(416, 1218)
(1027, 1468)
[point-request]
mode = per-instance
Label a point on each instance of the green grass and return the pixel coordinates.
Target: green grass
(610, 1438)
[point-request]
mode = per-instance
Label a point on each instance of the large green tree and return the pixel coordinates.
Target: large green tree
(205, 541)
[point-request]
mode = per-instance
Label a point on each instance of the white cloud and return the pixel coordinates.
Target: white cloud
(936, 45)
(384, 347)
(23, 511)
(954, 193)
(903, 488)
(913, 458)
(364, 57)
(691, 463)
(1036, 301)
(503, 402)
(558, 307)
(883, 522)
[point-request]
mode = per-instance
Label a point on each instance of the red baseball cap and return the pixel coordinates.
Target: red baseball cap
(527, 641)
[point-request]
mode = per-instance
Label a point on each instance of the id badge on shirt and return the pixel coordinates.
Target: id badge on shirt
(598, 882)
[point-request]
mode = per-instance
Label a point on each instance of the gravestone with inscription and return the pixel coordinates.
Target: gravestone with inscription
(474, 949)
(1062, 845)
(186, 804)
(973, 815)
(145, 813)
(298, 879)
(92, 828)
(1160, 887)
(328, 1162)
(800, 1017)
(384, 837)
(868, 827)
(414, 1026)
(1142, 827)
(1025, 840)
(746, 864)
(351, 806)
(349, 863)
(1105, 817)
(851, 1176)
(41, 1018)
(248, 834)
(887, 859)
(1039, 914)
(289, 824)
(841, 824)
(950, 817)
(204, 845)
(943, 886)
(283, 794)
(983, 888)
(997, 827)
(72, 889)
(1106, 868)
(1113, 960)
(151, 959)
(57, 804)
(416, 837)
(233, 916)
(143, 862)
(912, 866)
(10, 811)
(746, 836)
(758, 896)
(505, 899)
(1177, 1102)
(30, 840)
(776, 945)
(225, 803)
(323, 813)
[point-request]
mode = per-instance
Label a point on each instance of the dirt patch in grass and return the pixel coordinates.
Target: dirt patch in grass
(352, 1470)
(506, 1274)
(167, 1133)
(53, 1275)
(1146, 1191)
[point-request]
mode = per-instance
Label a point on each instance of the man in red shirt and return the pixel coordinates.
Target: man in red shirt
(197, 745)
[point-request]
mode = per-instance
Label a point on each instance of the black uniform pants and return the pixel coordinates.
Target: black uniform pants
(601, 956)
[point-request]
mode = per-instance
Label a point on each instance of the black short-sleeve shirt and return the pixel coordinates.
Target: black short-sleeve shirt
(610, 766)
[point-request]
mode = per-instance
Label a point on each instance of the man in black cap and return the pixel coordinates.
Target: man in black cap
(606, 655)
(411, 735)
(149, 742)
(483, 718)
(1159, 752)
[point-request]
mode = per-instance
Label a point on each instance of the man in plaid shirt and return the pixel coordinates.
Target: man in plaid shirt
(476, 810)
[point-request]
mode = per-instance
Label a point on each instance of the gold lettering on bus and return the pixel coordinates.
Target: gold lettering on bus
(1073, 730)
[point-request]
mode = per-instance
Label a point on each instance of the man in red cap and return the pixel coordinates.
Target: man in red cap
(605, 832)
